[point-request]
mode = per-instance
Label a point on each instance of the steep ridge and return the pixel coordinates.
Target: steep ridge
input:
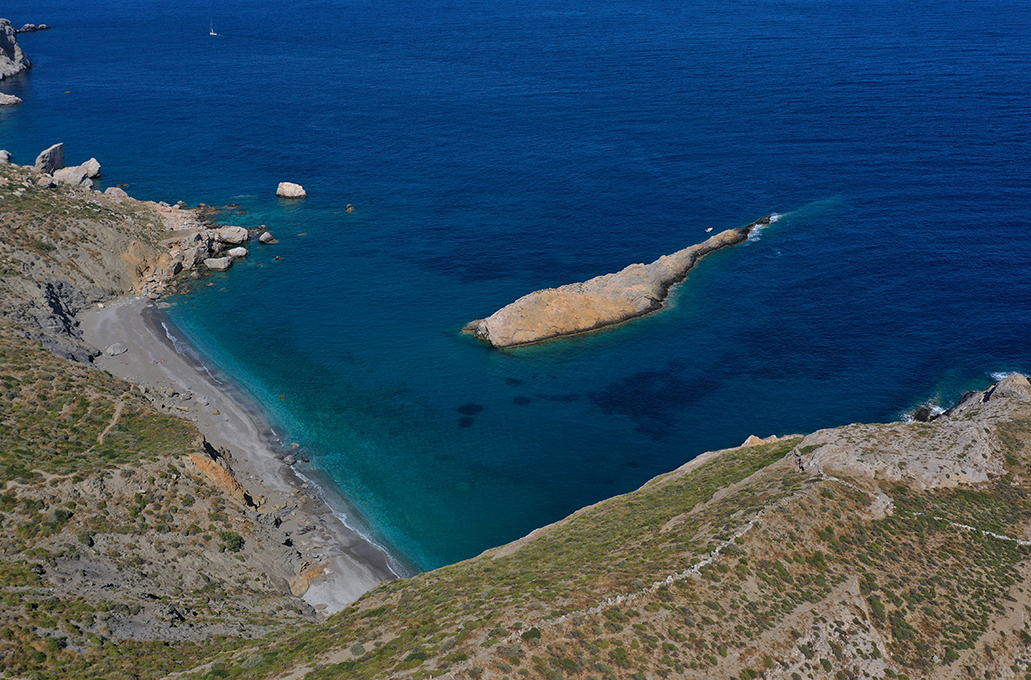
(895, 550)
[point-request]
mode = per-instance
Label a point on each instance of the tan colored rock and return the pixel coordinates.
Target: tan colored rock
(220, 477)
(602, 301)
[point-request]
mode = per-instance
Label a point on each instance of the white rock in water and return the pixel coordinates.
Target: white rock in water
(9, 99)
(5, 157)
(218, 264)
(266, 238)
(50, 159)
(231, 235)
(116, 349)
(237, 253)
(290, 190)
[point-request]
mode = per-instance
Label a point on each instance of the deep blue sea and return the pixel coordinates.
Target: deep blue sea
(491, 149)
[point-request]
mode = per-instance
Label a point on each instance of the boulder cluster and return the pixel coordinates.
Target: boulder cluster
(52, 169)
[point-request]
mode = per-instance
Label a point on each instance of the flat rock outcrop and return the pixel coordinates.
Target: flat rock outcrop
(9, 99)
(602, 301)
(12, 59)
(954, 451)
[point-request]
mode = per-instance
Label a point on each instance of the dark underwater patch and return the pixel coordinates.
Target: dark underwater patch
(654, 400)
(465, 422)
(469, 409)
(521, 401)
(563, 398)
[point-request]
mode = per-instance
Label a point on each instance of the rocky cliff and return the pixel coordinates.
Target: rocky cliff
(12, 59)
(607, 300)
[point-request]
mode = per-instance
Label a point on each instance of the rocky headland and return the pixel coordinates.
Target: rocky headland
(12, 59)
(603, 301)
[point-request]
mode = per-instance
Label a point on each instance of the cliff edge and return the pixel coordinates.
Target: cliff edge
(607, 300)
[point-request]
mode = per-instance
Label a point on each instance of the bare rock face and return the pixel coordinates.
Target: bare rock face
(237, 253)
(960, 448)
(5, 156)
(12, 59)
(76, 175)
(92, 168)
(290, 190)
(50, 159)
(603, 301)
(9, 99)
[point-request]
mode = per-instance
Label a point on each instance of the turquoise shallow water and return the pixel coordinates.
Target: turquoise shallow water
(491, 151)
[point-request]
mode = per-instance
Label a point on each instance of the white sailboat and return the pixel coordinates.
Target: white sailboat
(211, 29)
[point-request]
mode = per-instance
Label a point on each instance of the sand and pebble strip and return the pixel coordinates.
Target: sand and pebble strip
(343, 564)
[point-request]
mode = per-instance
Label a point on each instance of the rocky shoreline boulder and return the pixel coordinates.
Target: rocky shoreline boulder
(9, 99)
(607, 300)
(50, 159)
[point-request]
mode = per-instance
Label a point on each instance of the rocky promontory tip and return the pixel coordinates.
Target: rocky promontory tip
(602, 301)
(12, 59)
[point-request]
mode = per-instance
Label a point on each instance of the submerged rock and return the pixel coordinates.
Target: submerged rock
(603, 301)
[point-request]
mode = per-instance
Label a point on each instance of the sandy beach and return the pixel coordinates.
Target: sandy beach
(344, 565)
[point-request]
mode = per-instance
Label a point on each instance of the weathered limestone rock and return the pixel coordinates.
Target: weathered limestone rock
(290, 190)
(9, 99)
(266, 238)
(958, 449)
(92, 168)
(12, 59)
(116, 192)
(32, 28)
(231, 235)
(218, 264)
(237, 253)
(74, 175)
(5, 157)
(603, 301)
(50, 159)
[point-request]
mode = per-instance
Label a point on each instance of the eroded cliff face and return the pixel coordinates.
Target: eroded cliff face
(12, 59)
(66, 247)
(607, 300)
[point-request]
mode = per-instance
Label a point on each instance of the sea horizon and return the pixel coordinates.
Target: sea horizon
(492, 151)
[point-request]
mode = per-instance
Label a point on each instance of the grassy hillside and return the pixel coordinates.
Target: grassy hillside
(747, 565)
